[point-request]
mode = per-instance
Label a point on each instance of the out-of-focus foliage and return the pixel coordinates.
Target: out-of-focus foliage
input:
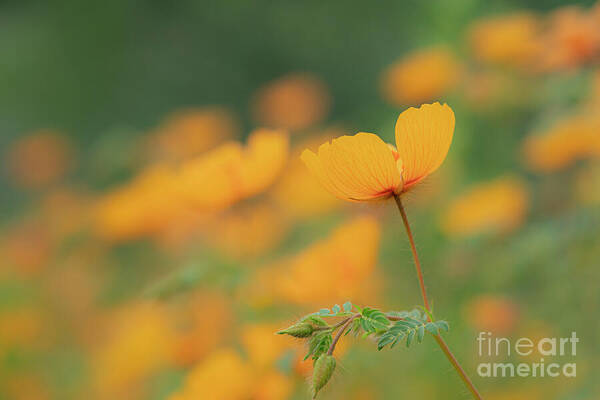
(157, 226)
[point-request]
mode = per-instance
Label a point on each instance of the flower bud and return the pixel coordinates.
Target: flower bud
(300, 330)
(322, 372)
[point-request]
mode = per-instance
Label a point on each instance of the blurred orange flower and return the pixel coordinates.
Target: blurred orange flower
(231, 173)
(362, 167)
(263, 351)
(567, 141)
(294, 102)
(39, 159)
(141, 207)
(223, 375)
(573, 34)
(350, 254)
(421, 76)
(496, 206)
(511, 40)
(488, 313)
(298, 193)
(190, 132)
(136, 341)
(273, 386)
(163, 195)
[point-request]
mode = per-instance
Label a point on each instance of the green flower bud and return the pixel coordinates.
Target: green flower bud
(322, 372)
(300, 330)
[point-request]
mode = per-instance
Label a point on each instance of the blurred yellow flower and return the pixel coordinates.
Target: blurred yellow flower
(567, 141)
(273, 386)
(164, 195)
(262, 350)
(511, 40)
(141, 207)
(136, 341)
(190, 132)
(231, 173)
(489, 313)
(496, 206)
(223, 375)
(421, 76)
(350, 254)
(294, 102)
(39, 159)
(362, 167)
(298, 193)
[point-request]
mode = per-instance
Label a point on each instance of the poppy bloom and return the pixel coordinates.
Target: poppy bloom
(363, 167)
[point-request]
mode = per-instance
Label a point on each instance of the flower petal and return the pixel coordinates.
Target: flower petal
(423, 137)
(359, 167)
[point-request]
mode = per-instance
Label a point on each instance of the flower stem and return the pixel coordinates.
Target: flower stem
(465, 378)
(345, 325)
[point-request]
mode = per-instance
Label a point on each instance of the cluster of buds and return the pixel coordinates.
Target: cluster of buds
(321, 345)
(322, 372)
(301, 330)
(387, 329)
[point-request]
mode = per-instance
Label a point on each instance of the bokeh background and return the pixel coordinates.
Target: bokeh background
(157, 226)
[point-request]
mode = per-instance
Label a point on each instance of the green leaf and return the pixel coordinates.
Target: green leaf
(374, 320)
(385, 340)
(398, 338)
(315, 319)
(409, 329)
(432, 328)
(399, 314)
(442, 325)
(409, 338)
(355, 326)
(420, 333)
(416, 314)
(319, 344)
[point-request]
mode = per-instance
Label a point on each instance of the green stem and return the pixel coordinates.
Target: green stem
(465, 378)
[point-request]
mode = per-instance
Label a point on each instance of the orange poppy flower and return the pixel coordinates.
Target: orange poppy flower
(421, 76)
(363, 167)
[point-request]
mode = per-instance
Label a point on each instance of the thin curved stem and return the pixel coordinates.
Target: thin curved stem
(465, 378)
(413, 248)
(341, 332)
